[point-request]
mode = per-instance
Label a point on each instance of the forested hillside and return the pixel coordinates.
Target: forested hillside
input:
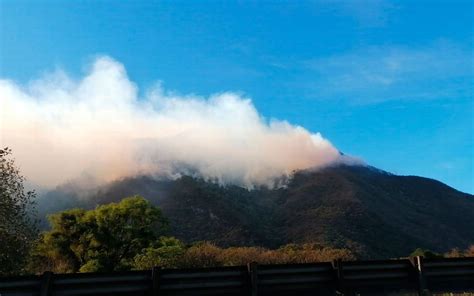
(371, 212)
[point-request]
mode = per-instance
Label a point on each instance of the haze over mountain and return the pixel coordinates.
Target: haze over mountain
(254, 181)
(217, 167)
(102, 126)
(374, 213)
(231, 117)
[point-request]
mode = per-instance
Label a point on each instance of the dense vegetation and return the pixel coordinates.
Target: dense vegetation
(104, 239)
(132, 233)
(17, 228)
(129, 235)
(373, 213)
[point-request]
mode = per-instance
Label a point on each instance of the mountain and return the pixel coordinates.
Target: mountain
(374, 213)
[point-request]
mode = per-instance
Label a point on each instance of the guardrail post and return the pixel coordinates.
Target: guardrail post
(46, 284)
(338, 274)
(252, 269)
(422, 288)
(340, 286)
(155, 278)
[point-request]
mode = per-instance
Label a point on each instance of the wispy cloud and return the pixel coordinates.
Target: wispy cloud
(380, 73)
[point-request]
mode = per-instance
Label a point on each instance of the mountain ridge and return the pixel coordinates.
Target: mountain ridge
(374, 213)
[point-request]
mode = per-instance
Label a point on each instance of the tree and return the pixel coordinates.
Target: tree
(469, 252)
(104, 239)
(17, 226)
(202, 254)
(167, 253)
(425, 253)
(457, 253)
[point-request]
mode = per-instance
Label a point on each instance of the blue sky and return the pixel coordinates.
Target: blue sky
(390, 82)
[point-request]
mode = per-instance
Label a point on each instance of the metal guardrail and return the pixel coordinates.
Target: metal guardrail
(340, 277)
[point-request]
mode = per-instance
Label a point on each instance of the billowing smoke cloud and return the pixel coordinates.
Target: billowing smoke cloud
(60, 128)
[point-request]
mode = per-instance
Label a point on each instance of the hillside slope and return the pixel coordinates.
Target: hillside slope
(374, 213)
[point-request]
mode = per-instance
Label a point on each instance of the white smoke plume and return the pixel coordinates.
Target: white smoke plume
(60, 128)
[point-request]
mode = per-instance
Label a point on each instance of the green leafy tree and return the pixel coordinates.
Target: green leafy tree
(17, 227)
(66, 247)
(104, 239)
(167, 253)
